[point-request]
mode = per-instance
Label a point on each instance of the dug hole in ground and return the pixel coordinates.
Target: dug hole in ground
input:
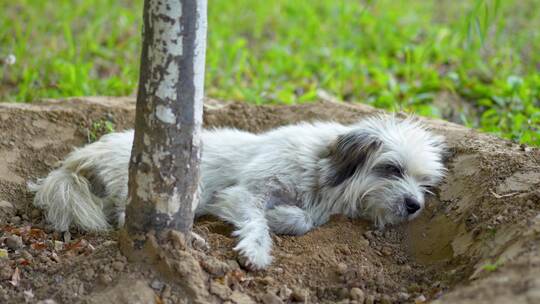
(478, 241)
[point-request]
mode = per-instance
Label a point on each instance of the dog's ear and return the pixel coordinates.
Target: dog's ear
(348, 153)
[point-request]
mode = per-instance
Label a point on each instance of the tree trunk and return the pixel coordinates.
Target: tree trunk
(164, 166)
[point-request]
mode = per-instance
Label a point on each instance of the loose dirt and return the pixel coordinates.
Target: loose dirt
(477, 242)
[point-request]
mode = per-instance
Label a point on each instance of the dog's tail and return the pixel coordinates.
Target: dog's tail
(66, 196)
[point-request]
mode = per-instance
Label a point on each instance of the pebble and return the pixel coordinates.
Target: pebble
(345, 250)
(271, 298)
(47, 301)
(16, 220)
(363, 242)
(14, 242)
(341, 268)
(4, 254)
(57, 245)
(268, 280)
(118, 266)
(370, 299)
(88, 274)
(403, 296)
(5, 273)
(105, 278)
(299, 295)
(387, 251)
(357, 294)
(241, 298)
(285, 292)
(35, 213)
(67, 236)
(233, 265)
(220, 290)
(369, 235)
(420, 299)
(7, 207)
(157, 285)
(386, 299)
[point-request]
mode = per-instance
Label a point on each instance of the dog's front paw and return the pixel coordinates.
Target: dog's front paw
(252, 255)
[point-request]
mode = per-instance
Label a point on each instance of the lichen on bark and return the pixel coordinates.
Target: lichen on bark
(164, 167)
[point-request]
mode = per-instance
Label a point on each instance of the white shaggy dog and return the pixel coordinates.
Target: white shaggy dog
(286, 180)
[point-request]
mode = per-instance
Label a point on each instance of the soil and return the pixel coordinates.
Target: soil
(477, 242)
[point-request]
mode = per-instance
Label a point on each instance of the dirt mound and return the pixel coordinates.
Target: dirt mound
(478, 240)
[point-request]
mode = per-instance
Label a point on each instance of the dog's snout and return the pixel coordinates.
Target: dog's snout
(411, 205)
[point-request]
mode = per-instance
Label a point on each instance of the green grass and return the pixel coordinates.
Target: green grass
(473, 61)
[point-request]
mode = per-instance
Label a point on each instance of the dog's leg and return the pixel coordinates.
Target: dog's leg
(287, 219)
(238, 206)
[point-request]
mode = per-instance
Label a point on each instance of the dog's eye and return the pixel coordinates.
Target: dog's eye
(425, 181)
(390, 170)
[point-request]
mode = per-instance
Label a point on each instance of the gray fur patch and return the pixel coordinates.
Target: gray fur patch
(349, 153)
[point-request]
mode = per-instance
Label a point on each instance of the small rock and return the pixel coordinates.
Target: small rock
(16, 220)
(14, 242)
(125, 291)
(268, 280)
(370, 299)
(105, 279)
(403, 296)
(344, 249)
(241, 298)
(341, 268)
(386, 299)
(5, 272)
(118, 266)
(214, 266)
(55, 257)
(343, 293)
(198, 242)
(278, 270)
(363, 242)
(157, 285)
(420, 299)
(4, 254)
(223, 292)
(387, 251)
(284, 292)
(35, 213)
(7, 208)
(271, 298)
(28, 295)
(57, 245)
(67, 237)
(166, 292)
(88, 274)
(299, 295)
(233, 265)
(357, 294)
(47, 301)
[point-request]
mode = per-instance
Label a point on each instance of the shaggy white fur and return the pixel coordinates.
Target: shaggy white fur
(286, 180)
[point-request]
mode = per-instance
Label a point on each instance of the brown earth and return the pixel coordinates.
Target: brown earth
(477, 242)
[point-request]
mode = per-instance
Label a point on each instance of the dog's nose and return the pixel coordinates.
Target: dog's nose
(411, 205)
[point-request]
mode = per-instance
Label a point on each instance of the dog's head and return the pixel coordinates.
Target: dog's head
(382, 168)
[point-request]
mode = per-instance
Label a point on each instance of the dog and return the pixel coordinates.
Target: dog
(286, 181)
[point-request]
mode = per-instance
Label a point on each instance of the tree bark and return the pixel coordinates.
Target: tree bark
(164, 166)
